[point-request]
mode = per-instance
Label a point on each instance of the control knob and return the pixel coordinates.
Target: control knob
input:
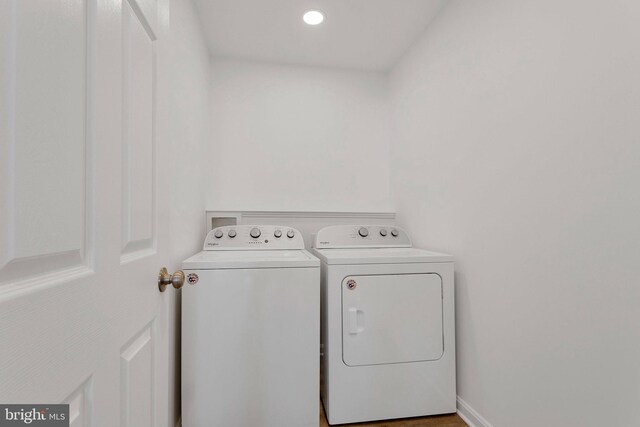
(232, 233)
(383, 232)
(394, 232)
(277, 233)
(218, 234)
(363, 232)
(290, 234)
(255, 232)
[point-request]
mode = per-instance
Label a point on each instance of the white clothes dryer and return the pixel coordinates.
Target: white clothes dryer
(387, 326)
(250, 330)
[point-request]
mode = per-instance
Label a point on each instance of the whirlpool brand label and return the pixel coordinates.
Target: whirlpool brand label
(34, 415)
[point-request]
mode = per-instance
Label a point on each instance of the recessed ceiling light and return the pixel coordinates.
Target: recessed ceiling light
(313, 17)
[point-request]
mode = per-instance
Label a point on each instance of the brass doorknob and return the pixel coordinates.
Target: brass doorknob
(165, 279)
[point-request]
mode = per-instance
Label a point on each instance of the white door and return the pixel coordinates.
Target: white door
(391, 318)
(81, 237)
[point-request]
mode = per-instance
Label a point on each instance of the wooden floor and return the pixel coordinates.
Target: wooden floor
(435, 421)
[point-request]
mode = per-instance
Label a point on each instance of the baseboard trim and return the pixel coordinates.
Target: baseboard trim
(470, 415)
(179, 423)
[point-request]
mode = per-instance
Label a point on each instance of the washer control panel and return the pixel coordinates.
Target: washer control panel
(361, 236)
(253, 237)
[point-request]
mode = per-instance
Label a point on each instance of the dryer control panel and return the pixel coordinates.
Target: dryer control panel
(253, 237)
(361, 236)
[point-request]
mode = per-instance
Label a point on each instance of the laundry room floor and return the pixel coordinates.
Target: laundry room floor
(452, 420)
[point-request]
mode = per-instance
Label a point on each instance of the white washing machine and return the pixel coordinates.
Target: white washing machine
(251, 330)
(388, 333)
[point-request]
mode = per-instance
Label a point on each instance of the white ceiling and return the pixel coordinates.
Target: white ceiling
(360, 34)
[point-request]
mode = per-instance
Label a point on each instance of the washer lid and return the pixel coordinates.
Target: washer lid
(380, 256)
(210, 260)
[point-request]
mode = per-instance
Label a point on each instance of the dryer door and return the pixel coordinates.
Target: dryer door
(391, 318)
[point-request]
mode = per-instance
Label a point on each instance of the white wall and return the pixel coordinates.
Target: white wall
(518, 150)
(297, 138)
(189, 117)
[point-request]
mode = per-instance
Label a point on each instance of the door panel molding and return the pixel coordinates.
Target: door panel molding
(81, 405)
(37, 283)
(47, 223)
(147, 13)
(137, 366)
(138, 142)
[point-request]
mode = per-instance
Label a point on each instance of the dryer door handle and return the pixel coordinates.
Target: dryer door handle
(353, 320)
